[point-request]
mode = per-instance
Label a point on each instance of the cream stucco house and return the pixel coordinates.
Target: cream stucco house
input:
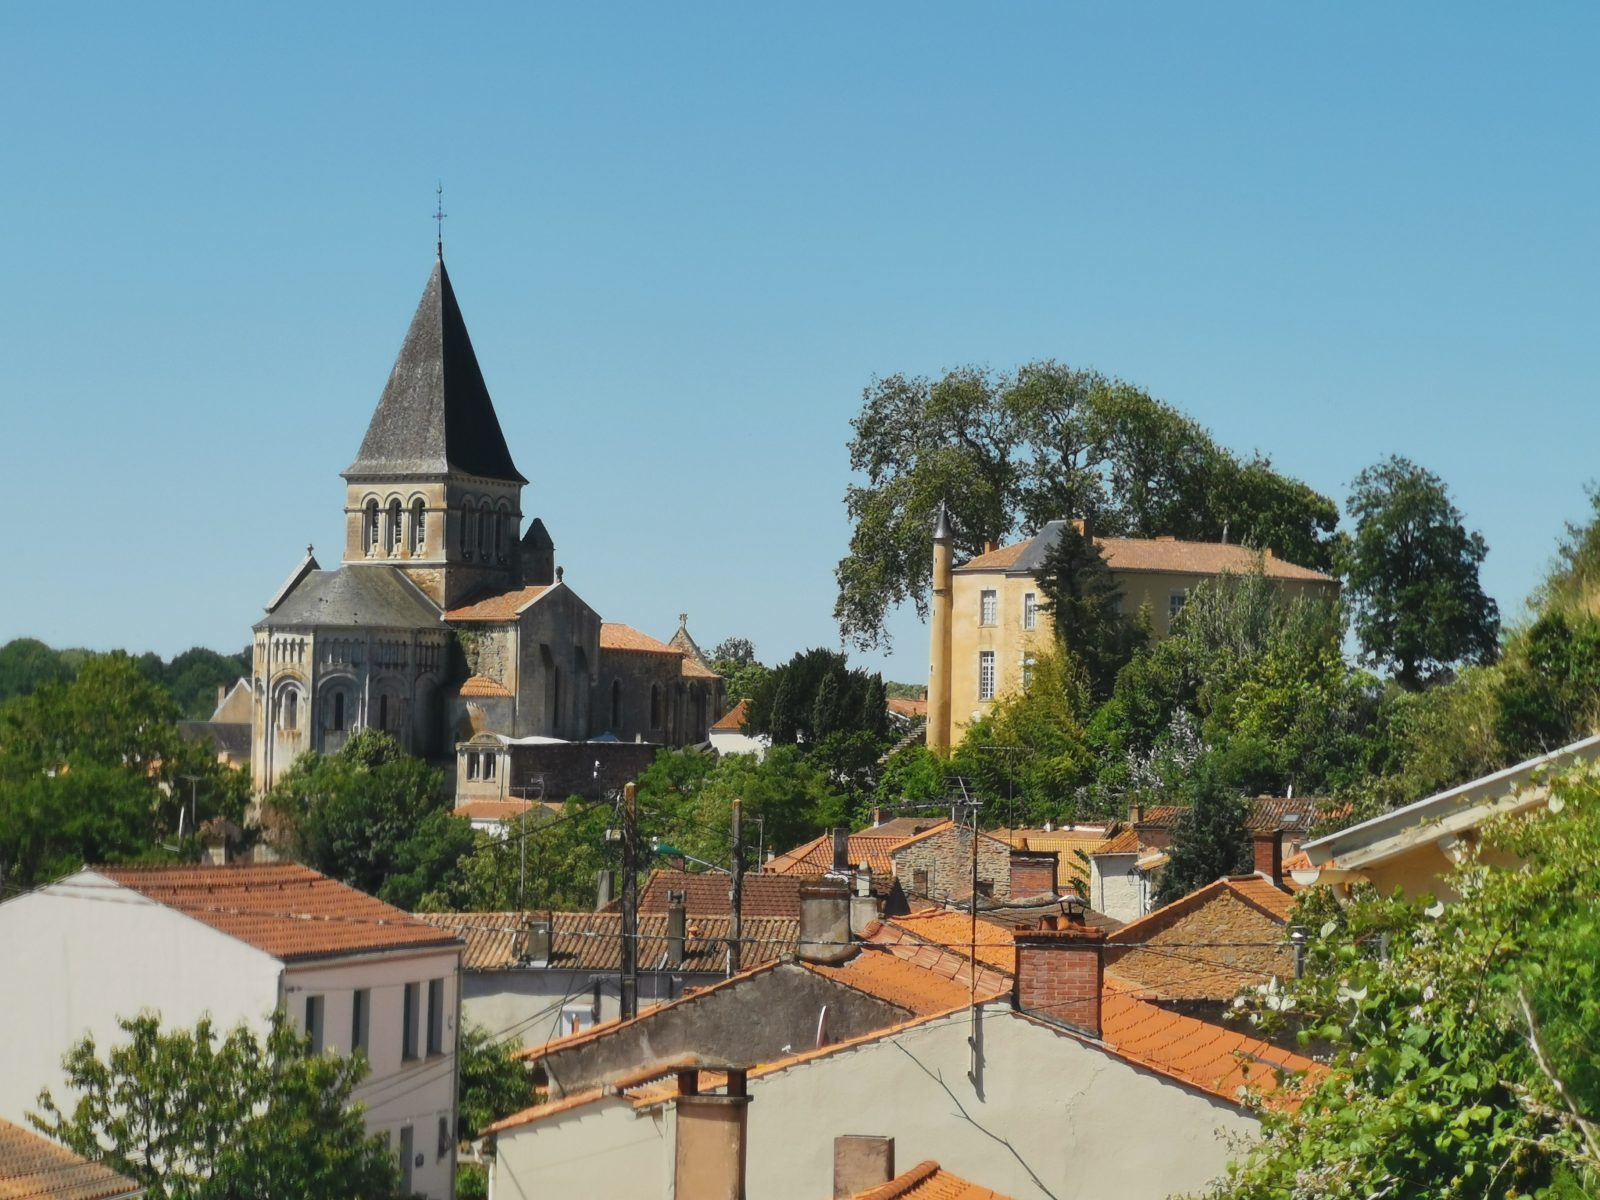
(989, 618)
(235, 943)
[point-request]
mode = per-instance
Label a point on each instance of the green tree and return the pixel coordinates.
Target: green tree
(1085, 606)
(1209, 839)
(1010, 452)
(1431, 1014)
(1412, 573)
(25, 663)
(817, 693)
(370, 816)
(742, 673)
(492, 1082)
(551, 862)
(94, 771)
(192, 1116)
(194, 676)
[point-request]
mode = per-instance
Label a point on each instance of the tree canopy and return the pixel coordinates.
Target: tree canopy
(192, 1115)
(1412, 572)
(815, 694)
(1013, 451)
(1085, 607)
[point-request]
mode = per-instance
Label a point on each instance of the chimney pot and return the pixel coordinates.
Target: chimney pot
(677, 930)
(1135, 813)
(861, 1162)
(709, 1150)
(989, 546)
(825, 923)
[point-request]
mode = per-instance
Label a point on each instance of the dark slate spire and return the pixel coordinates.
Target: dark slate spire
(435, 415)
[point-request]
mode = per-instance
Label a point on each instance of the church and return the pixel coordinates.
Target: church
(448, 624)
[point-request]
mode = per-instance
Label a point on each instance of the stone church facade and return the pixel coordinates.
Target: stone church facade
(446, 624)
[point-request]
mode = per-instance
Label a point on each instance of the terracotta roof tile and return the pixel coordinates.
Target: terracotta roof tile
(482, 685)
(904, 706)
(616, 636)
(1065, 842)
(929, 1181)
(286, 910)
(693, 669)
(593, 941)
(1166, 555)
(706, 893)
(35, 1168)
(996, 947)
(501, 606)
(732, 721)
(996, 560)
(1126, 842)
(870, 846)
(910, 985)
(505, 810)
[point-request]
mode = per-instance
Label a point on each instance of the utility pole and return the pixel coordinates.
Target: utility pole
(629, 984)
(736, 890)
(193, 812)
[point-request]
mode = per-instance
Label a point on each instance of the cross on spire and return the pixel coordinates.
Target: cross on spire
(438, 217)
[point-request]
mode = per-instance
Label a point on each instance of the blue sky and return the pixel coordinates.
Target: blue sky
(685, 237)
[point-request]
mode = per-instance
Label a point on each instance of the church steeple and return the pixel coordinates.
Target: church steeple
(435, 417)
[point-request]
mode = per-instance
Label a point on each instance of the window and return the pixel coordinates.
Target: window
(466, 532)
(575, 1018)
(408, 1021)
(1027, 671)
(383, 712)
(435, 1017)
(360, 1019)
(1175, 602)
(483, 531)
(394, 527)
(472, 764)
(1030, 610)
(501, 524)
(986, 606)
(488, 765)
(290, 707)
(408, 1142)
(419, 525)
(986, 675)
(338, 711)
(370, 528)
(314, 1022)
(919, 881)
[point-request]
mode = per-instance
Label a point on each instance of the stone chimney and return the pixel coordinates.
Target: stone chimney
(861, 1162)
(677, 930)
(841, 851)
(1268, 849)
(709, 1148)
(1060, 974)
(1135, 813)
(825, 923)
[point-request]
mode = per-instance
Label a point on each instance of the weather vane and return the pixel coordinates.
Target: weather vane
(439, 215)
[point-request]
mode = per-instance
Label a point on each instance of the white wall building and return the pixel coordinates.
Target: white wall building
(235, 943)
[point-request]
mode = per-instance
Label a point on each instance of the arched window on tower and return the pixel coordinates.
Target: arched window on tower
(394, 526)
(383, 713)
(369, 527)
(419, 525)
(466, 531)
(483, 531)
(502, 533)
(338, 712)
(289, 709)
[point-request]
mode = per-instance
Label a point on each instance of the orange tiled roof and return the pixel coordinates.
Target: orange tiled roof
(35, 1168)
(996, 947)
(1166, 555)
(693, 669)
(502, 606)
(616, 636)
(903, 706)
(915, 986)
(1065, 842)
(482, 685)
(706, 892)
(1126, 842)
(1211, 1057)
(870, 846)
(935, 831)
(928, 1181)
(505, 810)
(733, 720)
(286, 910)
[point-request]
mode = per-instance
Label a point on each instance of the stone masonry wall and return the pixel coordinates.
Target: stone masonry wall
(947, 858)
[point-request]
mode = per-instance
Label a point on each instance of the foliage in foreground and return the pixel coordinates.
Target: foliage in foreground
(195, 1116)
(1465, 1035)
(493, 1082)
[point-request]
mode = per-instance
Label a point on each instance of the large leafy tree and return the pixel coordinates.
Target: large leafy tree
(193, 1115)
(94, 770)
(1460, 1038)
(370, 816)
(551, 862)
(1085, 607)
(815, 694)
(25, 663)
(1009, 452)
(493, 1083)
(1412, 573)
(1209, 839)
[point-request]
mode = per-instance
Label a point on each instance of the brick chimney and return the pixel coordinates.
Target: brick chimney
(1268, 849)
(709, 1149)
(1060, 974)
(1033, 873)
(861, 1162)
(825, 923)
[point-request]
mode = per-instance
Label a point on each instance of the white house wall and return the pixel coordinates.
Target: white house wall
(603, 1150)
(83, 952)
(419, 1093)
(526, 1005)
(1088, 1124)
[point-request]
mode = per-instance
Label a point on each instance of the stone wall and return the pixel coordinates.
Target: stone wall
(946, 856)
(568, 769)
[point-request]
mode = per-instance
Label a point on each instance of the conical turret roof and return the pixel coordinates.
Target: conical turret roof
(435, 415)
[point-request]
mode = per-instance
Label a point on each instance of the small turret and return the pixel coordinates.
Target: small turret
(939, 652)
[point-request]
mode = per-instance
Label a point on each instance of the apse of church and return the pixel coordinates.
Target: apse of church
(445, 621)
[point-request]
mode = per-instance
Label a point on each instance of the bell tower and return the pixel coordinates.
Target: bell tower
(433, 491)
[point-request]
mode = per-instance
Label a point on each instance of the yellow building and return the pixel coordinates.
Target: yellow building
(989, 619)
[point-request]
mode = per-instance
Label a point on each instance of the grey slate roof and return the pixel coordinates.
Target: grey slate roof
(231, 737)
(435, 415)
(354, 595)
(1032, 558)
